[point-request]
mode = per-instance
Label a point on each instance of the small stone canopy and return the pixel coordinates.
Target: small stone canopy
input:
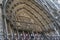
(28, 15)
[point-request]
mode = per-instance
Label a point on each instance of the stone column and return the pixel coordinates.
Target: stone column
(1, 23)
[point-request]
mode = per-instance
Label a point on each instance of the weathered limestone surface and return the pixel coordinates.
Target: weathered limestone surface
(1, 25)
(0, 1)
(28, 15)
